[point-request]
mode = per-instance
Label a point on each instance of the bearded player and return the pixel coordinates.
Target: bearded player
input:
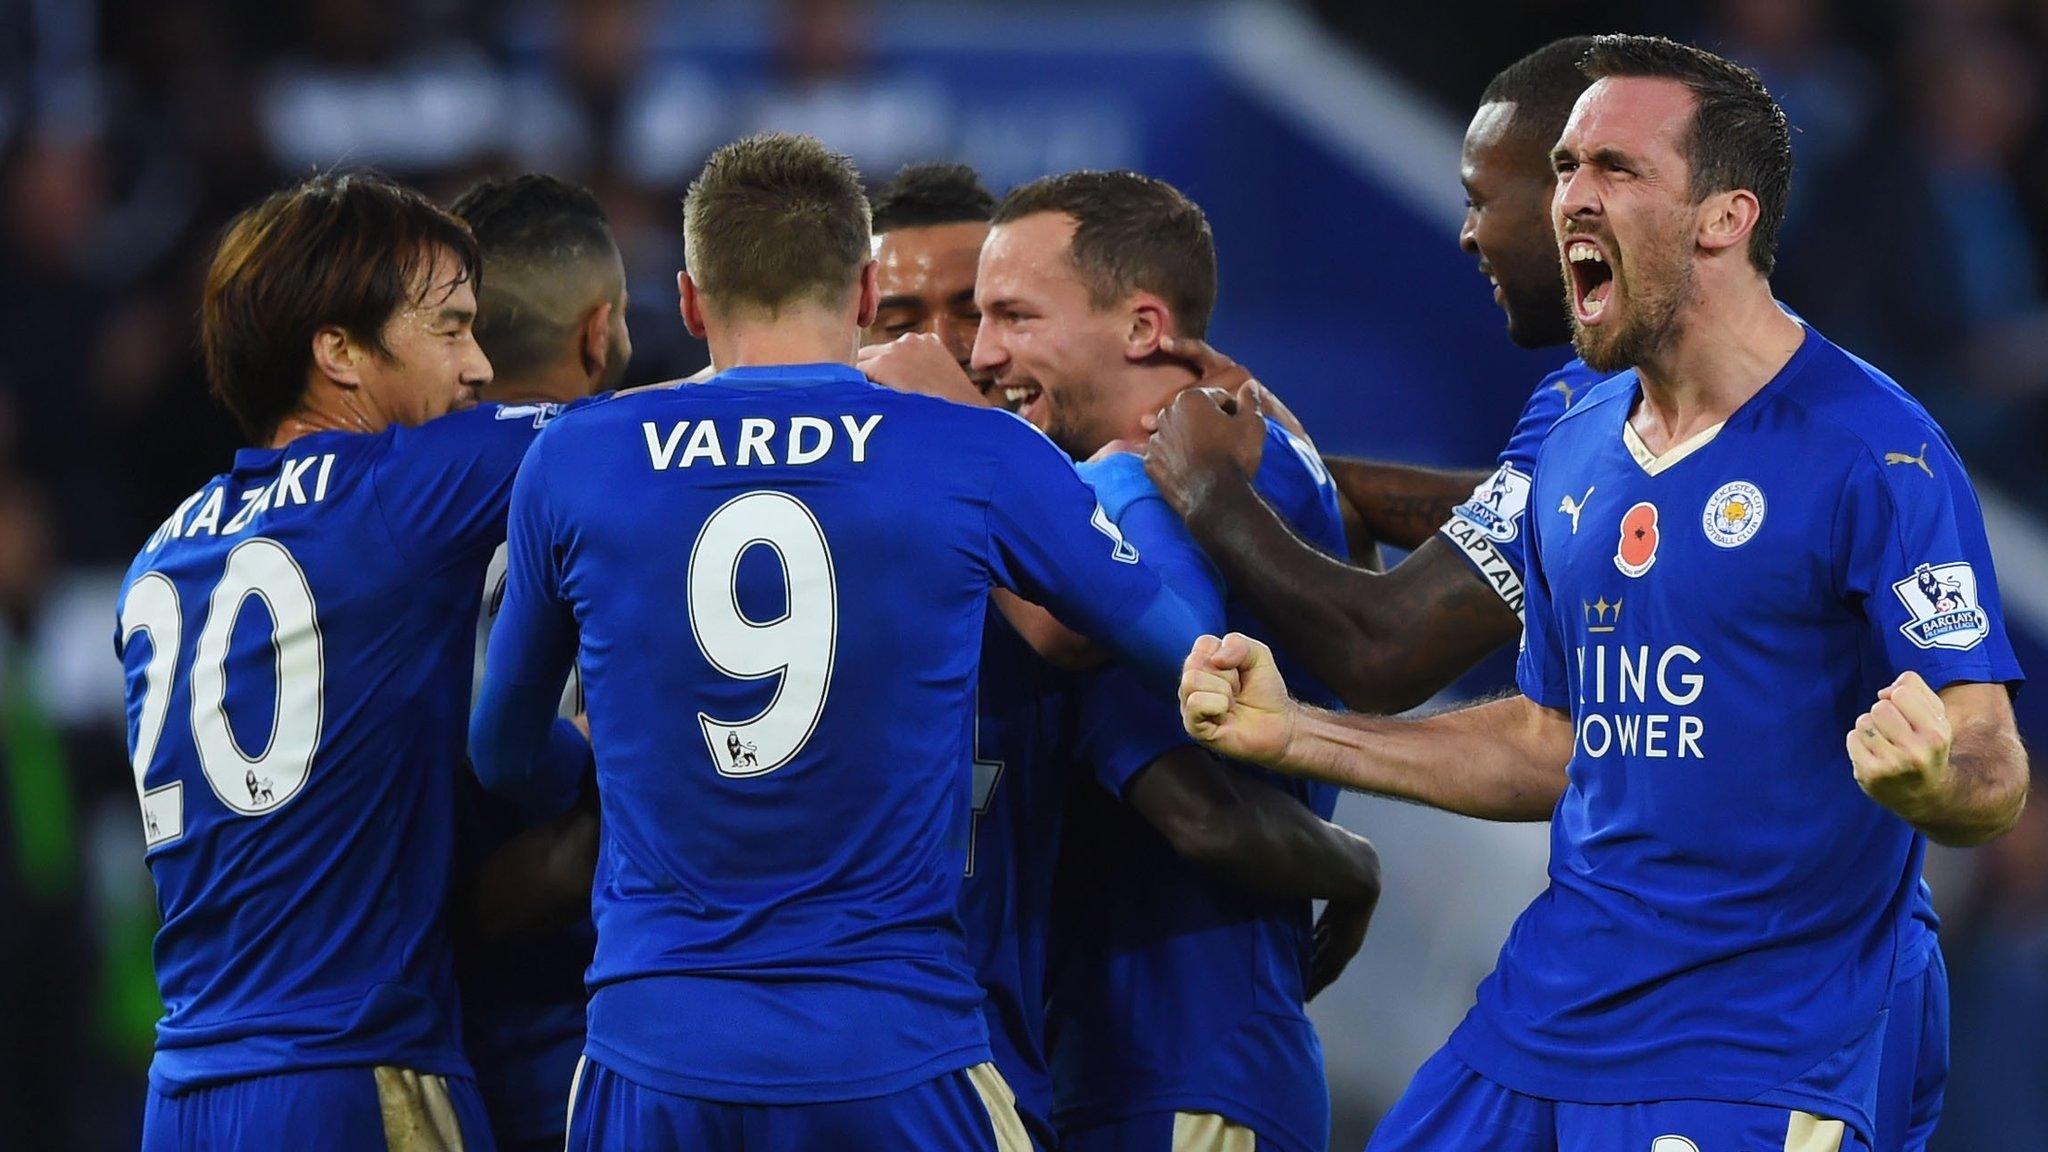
(1742, 713)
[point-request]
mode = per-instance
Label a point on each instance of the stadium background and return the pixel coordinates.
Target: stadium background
(1321, 140)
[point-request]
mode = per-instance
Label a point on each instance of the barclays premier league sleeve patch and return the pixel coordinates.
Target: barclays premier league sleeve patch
(1496, 506)
(1492, 517)
(1941, 607)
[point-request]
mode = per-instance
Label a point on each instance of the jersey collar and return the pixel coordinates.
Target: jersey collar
(783, 375)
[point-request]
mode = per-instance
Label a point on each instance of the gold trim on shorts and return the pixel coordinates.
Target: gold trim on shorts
(418, 1115)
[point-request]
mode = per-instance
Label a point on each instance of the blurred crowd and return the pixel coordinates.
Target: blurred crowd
(130, 130)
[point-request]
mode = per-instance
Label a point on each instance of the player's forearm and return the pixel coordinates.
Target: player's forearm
(1401, 504)
(537, 881)
(1383, 642)
(1501, 760)
(1986, 789)
(520, 751)
(1276, 847)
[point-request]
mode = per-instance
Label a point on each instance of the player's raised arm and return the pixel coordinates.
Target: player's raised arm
(516, 744)
(1382, 642)
(1938, 746)
(1500, 760)
(1053, 545)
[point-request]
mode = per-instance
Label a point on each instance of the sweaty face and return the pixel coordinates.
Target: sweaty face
(1505, 167)
(433, 365)
(1042, 339)
(926, 276)
(1626, 220)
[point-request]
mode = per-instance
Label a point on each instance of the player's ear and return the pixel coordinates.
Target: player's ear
(870, 294)
(338, 357)
(1150, 322)
(692, 305)
(593, 344)
(1727, 218)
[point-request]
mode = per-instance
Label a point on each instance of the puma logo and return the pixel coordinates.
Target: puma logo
(1567, 389)
(1902, 458)
(1571, 507)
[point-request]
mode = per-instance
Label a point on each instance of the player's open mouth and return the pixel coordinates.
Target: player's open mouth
(1017, 397)
(1592, 278)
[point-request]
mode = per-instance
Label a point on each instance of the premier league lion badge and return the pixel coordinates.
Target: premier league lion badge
(1941, 607)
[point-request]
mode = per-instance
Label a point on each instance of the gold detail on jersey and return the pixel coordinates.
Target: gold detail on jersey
(1001, 1104)
(1567, 389)
(1902, 458)
(1805, 1132)
(418, 1115)
(1653, 464)
(1598, 618)
(1208, 1132)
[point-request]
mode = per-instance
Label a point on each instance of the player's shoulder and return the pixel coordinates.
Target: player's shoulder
(1598, 394)
(1840, 396)
(1118, 481)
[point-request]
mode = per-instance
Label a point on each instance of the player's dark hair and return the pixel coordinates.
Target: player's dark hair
(1542, 86)
(774, 219)
(340, 250)
(539, 237)
(1131, 233)
(927, 195)
(1739, 137)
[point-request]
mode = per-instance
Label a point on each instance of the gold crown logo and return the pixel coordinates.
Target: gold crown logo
(1602, 616)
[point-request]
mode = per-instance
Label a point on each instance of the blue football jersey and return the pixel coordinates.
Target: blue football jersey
(1727, 910)
(774, 586)
(1172, 991)
(1022, 757)
(1487, 529)
(297, 644)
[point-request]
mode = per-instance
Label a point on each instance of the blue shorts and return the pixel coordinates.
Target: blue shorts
(1165, 1132)
(970, 1110)
(325, 1110)
(1450, 1108)
(1914, 1074)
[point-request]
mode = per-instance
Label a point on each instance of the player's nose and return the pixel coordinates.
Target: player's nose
(1575, 196)
(1468, 232)
(988, 352)
(957, 335)
(476, 367)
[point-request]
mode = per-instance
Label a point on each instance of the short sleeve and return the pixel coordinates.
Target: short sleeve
(1121, 727)
(1540, 670)
(1488, 528)
(1912, 554)
(445, 485)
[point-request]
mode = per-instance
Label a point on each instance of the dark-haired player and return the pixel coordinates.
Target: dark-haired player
(1742, 711)
(297, 637)
(1386, 642)
(802, 559)
(551, 315)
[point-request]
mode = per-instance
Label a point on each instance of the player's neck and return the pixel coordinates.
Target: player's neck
(559, 384)
(1144, 390)
(325, 408)
(796, 336)
(1731, 345)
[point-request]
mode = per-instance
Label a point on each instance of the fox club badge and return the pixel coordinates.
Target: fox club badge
(1734, 514)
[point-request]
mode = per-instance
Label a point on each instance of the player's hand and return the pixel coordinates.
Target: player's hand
(1233, 700)
(1339, 934)
(1900, 747)
(1199, 440)
(1219, 373)
(919, 362)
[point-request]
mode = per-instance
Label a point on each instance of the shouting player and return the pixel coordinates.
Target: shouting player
(1181, 968)
(1386, 642)
(298, 638)
(804, 558)
(551, 315)
(1739, 703)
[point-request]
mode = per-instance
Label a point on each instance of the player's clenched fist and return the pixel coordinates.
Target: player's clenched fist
(1233, 700)
(1900, 747)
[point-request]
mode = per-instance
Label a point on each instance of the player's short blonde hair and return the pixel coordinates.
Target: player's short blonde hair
(775, 219)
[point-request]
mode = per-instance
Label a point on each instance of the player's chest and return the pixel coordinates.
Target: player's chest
(1733, 537)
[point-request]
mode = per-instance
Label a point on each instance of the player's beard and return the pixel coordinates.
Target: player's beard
(614, 373)
(1652, 299)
